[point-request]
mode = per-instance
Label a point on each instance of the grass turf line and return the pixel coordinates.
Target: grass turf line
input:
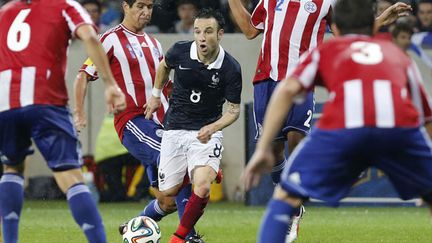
(51, 222)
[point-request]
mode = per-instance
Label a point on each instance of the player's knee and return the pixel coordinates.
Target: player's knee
(278, 149)
(202, 188)
(294, 138)
(167, 204)
(172, 192)
(281, 194)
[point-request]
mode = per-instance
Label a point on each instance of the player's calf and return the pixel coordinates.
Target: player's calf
(11, 201)
(85, 213)
(281, 209)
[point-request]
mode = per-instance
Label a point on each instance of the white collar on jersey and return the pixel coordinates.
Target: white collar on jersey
(217, 64)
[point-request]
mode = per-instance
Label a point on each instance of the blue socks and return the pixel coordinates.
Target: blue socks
(276, 221)
(85, 213)
(182, 198)
(11, 202)
(277, 171)
(153, 211)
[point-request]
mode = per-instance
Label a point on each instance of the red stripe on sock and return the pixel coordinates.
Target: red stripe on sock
(193, 212)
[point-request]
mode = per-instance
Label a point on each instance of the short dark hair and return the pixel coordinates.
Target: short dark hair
(354, 16)
(207, 13)
(129, 2)
(424, 1)
(96, 2)
(402, 27)
(182, 2)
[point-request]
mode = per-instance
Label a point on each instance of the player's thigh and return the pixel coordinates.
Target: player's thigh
(300, 116)
(173, 162)
(205, 154)
(14, 138)
(262, 94)
(409, 167)
(56, 137)
(142, 138)
(320, 168)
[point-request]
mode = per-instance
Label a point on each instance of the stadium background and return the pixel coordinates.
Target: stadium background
(234, 156)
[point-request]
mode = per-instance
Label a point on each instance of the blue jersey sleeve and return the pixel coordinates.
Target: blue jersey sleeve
(172, 57)
(233, 86)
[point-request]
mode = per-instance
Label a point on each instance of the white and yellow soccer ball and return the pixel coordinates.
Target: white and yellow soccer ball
(141, 229)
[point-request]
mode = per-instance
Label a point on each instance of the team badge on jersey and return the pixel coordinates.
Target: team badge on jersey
(310, 7)
(215, 80)
(156, 50)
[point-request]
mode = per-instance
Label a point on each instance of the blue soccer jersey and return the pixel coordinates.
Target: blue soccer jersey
(200, 90)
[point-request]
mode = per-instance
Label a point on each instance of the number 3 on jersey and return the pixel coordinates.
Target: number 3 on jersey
(366, 53)
(18, 37)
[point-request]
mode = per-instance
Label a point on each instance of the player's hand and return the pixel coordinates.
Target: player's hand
(394, 12)
(80, 119)
(151, 106)
(205, 133)
(261, 161)
(115, 99)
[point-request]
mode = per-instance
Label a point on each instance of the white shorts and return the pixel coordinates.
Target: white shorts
(181, 152)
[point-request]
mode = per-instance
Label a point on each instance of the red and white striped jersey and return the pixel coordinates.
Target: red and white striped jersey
(291, 27)
(33, 42)
(134, 59)
(371, 83)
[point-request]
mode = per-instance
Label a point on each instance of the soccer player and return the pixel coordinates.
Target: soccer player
(205, 76)
(372, 118)
(134, 57)
(290, 28)
(34, 37)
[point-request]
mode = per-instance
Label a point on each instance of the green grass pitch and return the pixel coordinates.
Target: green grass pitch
(50, 222)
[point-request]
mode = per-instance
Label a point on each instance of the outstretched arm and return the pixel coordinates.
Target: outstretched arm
(243, 19)
(228, 118)
(80, 90)
(114, 97)
(162, 75)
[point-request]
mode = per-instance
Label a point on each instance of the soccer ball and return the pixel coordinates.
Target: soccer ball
(141, 229)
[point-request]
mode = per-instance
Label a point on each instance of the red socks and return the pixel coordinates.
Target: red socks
(193, 212)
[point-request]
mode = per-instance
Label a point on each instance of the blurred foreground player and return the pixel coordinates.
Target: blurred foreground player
(34, 36)
(290, 29)
(375, 112)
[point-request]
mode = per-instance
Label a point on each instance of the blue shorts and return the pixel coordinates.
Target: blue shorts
(328, 162)
(299, 118)
(50, 127)
(142, 138)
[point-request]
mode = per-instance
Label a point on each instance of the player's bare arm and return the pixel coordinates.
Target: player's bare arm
(277, 110)
(80, 90)
(228, 118)
(391, 14)
(113, 95)
(162, 74)
(243, 19)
